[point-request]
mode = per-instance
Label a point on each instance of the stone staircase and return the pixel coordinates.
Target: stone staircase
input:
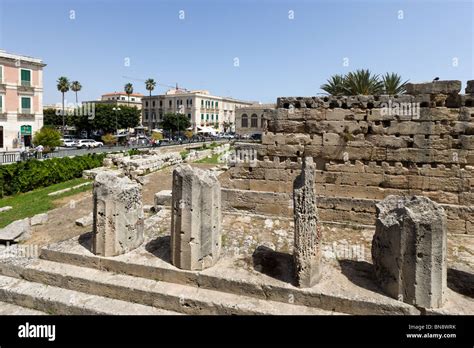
(42, 286)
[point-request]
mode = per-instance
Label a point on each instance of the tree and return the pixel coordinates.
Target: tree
(175, 122)
(49, 137)
(128, 88)
(63, 87)
(393, 84)
(334, 85)
(104, 119)
(362, 82)
(76, 87)
(109, 139)
(226, 125)
(150, 85)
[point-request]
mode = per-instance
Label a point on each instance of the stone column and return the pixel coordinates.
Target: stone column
(195, 219)
(409, 250)
(308, 237)
(118, 215)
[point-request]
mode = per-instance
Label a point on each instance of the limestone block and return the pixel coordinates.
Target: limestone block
(308, 237)
(85, 221)
(436, 87)
(196, 218)
(163, 198)
(39, 219)
(118, 215)
(409, 250)
(17, 231)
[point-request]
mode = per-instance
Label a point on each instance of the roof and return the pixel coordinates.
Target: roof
(5, 54)
(122, 93)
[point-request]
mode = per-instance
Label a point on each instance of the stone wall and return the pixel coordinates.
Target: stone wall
(365, 149)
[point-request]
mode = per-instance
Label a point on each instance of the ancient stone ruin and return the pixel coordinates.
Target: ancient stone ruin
(365, 148)
(118, 215)
(409, 250)
(196, 218)
(308, 238)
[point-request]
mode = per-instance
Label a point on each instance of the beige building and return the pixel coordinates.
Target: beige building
(202, 109)
(120, 98)
(249, 120)
(21, 100)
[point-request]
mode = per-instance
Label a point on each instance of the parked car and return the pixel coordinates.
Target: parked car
(88, 144)
(69, 142)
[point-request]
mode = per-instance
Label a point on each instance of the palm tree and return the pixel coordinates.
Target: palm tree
(63, 87)
(129, 90)
(362, 82)
(150, 85)
(393, 84)
(334, 85)
(76, 87)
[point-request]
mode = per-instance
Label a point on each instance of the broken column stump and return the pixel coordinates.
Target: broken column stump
(118, 215)
(195, 219)
(308, 237)
(409, 250)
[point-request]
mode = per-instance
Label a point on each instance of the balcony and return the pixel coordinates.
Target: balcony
(3, 86)
(26, 86)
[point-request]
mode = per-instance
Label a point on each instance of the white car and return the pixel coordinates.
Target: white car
(69, 142)
(88, 144)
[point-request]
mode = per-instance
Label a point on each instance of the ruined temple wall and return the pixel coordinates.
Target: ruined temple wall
(365, 152)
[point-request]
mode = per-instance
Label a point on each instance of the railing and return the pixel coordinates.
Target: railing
(25, 83)
(9, 157)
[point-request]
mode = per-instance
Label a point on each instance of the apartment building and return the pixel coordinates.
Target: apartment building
(21, 99)
(249, 120)
(122, 98)
(202, 109)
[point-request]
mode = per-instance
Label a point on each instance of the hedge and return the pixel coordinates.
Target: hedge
(32, 174)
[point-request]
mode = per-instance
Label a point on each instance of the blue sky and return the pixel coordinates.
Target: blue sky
(278, 56)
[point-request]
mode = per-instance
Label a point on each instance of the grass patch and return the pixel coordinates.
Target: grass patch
(214, 159)
(37, 201)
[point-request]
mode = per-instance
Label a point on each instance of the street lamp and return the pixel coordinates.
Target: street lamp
(116, 121)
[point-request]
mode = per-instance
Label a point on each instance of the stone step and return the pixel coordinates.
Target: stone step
(139, 264)
(12, 309)
(147, 292)
(35, 298)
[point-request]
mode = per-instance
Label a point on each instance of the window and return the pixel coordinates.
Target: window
(161, 103)
(161, 115)
(146, 104)
(202, 116)
(189, 116)
(217, 117)
(212, 103)
(153, 116)
(25, 76)
(153, 103)
(146, 115)
(254, 121)
(207, 116)
(212, 117)
(1, 136)
(26, 105)
(123, 98)
(217, 104)
(1, 106)
(245, 121)
(133, 99)
(190, 102)
(171, 103)
(202, 102)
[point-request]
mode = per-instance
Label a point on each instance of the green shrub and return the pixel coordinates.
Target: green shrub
(133, 152)
(29, 175)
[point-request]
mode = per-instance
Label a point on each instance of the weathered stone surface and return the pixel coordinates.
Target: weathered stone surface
(436, 87)
(409, 250)
(196, 218)
(6, 208)
(163, 198)
(17, 231)
(85, 221)
(308, 238)
(118, 215)
(39, 219)
(470, 87)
